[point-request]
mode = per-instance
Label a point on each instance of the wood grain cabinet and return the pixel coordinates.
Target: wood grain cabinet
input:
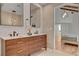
(10, 47)
(25, 46)
(21, 42)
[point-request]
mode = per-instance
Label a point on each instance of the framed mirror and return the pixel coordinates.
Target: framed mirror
(11, 14)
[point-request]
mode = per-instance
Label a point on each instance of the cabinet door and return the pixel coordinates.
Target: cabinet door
(26, 46)
(10, 47)
(31, 44)
(43, 41)
(11, 52)
(36, 43)
(21, 49)
(16, 47)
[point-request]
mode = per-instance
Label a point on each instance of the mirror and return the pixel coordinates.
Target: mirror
(11, 14)
(35, 15)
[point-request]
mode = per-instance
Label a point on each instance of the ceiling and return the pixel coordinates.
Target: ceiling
(33, 7)
(73, 7)
(45, 4)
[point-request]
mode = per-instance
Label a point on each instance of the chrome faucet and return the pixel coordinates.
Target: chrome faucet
(14, 32)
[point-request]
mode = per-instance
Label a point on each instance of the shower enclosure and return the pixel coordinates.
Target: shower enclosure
(67, 28)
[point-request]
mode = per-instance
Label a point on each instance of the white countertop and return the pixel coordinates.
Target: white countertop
(21, 36)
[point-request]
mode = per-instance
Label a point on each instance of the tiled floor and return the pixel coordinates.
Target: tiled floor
(50, 52)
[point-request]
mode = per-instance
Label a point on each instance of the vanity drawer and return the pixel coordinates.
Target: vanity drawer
(21, 51)
(11, 52)
(21, 41)
(10, 47)
(10, 42)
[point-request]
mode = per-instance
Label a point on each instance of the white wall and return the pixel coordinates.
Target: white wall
(48, 24)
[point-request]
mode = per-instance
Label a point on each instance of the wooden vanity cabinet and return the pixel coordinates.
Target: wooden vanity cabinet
(16, 47)
(10, 47)
(25, 46)
(21, 47)
(33, 45)
(36, 43)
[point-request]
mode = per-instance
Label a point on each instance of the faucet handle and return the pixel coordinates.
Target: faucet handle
(14, 33)
(17, 34)
(10, 35)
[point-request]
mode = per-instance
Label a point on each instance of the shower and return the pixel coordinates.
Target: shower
(67, 28)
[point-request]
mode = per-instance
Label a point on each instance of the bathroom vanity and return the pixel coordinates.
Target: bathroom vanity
(24, 46)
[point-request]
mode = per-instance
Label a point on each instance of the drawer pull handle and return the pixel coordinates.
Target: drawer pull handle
(19, 51)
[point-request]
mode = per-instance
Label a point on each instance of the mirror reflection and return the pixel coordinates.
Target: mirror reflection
(11, 14)
(35, 15)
